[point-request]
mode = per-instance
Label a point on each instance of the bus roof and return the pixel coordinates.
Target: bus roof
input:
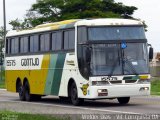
(71, 23)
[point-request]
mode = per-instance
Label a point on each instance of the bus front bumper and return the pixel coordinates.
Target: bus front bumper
(114, 91)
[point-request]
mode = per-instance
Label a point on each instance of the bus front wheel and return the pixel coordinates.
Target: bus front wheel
(123, 100)
(74, 95)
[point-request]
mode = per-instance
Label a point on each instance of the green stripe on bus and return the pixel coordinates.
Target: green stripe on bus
(58, 74)
(52, 65)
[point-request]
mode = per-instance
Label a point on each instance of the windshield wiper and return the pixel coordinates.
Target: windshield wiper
(115, 64)
(126, 60)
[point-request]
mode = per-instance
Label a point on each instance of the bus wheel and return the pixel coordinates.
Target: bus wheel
(21, 91)
(28, 96)
(123, 100)
(74, 96)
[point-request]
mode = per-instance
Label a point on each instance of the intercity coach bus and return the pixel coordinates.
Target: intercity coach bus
(79, 59)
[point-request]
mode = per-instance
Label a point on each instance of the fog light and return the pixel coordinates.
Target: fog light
(102, 92)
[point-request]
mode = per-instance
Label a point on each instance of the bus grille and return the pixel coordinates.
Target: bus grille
(116, 82)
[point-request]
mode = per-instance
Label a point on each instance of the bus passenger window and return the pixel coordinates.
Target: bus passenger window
(54, 41)
(66, 40)
(57, 41)
(71, 39)
(8, 47)
(34, 43)
(45, 42)
(16, 45)
(26, 43)
(42, 43)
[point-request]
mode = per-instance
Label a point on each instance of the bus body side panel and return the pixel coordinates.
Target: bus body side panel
(54, 76)
(36, 75)
(70, 71)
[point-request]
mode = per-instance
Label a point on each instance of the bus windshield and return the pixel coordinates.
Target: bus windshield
(111, 59)
(116, 33)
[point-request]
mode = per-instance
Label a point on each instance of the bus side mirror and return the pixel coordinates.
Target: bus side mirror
(150, 54)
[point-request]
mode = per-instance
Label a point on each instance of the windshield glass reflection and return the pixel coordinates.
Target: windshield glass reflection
(111, 59)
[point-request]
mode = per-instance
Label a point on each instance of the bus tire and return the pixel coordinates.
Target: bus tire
(21, 91)
(28, 96)
(123, 100)
(74, 95)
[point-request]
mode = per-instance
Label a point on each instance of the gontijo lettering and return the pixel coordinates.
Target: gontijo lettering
(30, 62)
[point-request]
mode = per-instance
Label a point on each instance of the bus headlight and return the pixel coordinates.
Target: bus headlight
(143, 81)
(144, 89)
(99, 83)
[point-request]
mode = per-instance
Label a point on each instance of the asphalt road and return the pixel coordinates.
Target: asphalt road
(52, 105)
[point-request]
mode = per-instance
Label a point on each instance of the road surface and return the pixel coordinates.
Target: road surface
(52, 105)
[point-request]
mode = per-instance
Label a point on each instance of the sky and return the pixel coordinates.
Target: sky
(148, 10)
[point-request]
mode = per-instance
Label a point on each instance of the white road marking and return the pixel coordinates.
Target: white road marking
(82, 108)
(2, 89)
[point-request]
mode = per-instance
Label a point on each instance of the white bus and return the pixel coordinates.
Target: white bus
(79, 59)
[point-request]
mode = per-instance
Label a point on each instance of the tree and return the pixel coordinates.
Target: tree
(2, 33)
(56, 10)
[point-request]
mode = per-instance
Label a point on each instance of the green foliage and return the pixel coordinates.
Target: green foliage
(2, 32)
(8, 115)
(155, 86)
(2, 77)
(56, 10)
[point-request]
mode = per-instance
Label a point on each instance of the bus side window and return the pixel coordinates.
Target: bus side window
(16, 45)
(34, 43)
(31, 43)
(12, 45)
(26, 44)
(42, 42)
(54, 36)
(21, 45)
(66, 40)
(8, 46)
(45, 42)
(57, 41)
(24, 41)
(69, 39)
(82, 34)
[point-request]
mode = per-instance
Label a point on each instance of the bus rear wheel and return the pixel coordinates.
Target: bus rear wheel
(74, 95)
(123, 100)
(28, 96)
(21, 92)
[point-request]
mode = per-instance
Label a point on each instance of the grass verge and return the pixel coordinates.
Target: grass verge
(155, 86)
(8, 115)
(2, 86)
(2, 81)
